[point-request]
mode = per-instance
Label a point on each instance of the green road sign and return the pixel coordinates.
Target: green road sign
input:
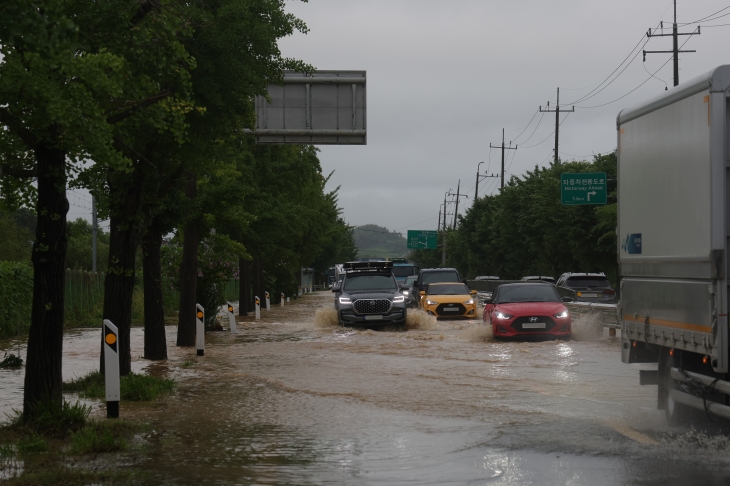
(422, 239)
(585, 188)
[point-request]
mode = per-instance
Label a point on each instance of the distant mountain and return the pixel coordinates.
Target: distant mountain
(376, 241)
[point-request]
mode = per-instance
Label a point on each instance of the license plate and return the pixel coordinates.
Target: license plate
(589, 295)
(451, 309)
(533, 325)
(373, 318)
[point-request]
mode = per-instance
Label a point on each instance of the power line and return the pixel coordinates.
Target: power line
(551, 134)
(528, 124)
(639, 86)
(707, 18)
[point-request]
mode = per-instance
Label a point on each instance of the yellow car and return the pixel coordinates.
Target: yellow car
(449, 299)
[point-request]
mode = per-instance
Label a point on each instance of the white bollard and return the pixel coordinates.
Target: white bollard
(111, 368)
(231, 317)
(268, 302)
(282, 299)
(258, 308)
(299, 292)
(199, 329)
(287, 300)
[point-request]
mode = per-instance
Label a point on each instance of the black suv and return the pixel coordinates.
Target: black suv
(587, 287)
(369, 295)
(434, 275)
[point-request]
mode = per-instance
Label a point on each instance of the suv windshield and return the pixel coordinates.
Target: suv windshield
(589, 282)
(527, 293)
(447, 289)
(410, 280)
(369, 282)
(403, 271)
(433, 277)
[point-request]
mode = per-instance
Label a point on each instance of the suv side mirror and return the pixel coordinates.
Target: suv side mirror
(422, 292)
(473, 292)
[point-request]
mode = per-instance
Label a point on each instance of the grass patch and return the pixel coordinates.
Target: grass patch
(62, 475)
(133, 387)
(50, 419)
(32, 443)
(6, 450)
(188, 363)
(102, 436)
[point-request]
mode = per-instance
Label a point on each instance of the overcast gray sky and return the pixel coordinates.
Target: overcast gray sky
(444, 78)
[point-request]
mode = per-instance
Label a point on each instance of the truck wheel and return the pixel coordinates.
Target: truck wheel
(676, 413)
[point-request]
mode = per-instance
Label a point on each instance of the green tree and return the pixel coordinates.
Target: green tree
(525, 230)
(71, 72)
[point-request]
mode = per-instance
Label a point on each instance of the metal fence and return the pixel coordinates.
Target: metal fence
(231, 291)
(84, 296)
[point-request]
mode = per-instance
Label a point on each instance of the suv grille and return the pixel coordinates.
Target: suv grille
(517, 324)
(370, 306)
(442, 310)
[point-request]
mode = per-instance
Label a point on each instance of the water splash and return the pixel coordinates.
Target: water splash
(587, 327)
(326, 317)
(480, 333)
(418, 319)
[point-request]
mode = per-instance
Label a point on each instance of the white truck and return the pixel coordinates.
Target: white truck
(673, 230)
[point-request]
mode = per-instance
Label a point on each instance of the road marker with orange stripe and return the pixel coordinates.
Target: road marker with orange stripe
(111, 368)
(199, 329)
(231, 317)
(258, 307)
(268, 302)
(282, 299)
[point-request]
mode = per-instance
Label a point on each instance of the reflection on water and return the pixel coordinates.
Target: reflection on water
(287, 400)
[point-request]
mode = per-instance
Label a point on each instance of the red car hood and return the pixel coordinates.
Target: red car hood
(520, 309)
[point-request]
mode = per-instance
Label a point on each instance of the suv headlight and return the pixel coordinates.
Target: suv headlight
(405, 292)
(398, 298)
(562, 315)
(431, 302)
(469, 302)
(345, 300)
(502, 315)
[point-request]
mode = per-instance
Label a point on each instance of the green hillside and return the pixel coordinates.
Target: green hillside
(376, 241)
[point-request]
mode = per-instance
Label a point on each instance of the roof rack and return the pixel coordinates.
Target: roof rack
(351, 266)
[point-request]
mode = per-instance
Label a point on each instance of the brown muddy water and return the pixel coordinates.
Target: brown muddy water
(294, 399)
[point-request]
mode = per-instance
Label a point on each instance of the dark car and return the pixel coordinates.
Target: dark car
(538, 278)
(369, 295)
(412, 300)
(587, 287)
(434, 275)
(527, 309)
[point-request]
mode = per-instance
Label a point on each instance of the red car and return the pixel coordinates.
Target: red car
(527, 309)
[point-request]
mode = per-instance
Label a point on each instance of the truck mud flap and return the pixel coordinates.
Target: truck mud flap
(698, 402)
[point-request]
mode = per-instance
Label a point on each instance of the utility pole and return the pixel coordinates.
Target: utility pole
(675, 43)
(480, 177)
(443, 233)
(557, 111)
(93, 233)
(503, 149)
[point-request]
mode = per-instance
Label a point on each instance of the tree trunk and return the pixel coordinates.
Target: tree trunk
(119, 286)
(244, 291)
(155, 344)
(43, 378)
(262, 284)
(255, 282)
(188, 273)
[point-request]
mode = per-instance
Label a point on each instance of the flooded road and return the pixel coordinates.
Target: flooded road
(293, 399)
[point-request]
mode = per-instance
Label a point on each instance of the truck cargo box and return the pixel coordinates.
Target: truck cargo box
(673, 212)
